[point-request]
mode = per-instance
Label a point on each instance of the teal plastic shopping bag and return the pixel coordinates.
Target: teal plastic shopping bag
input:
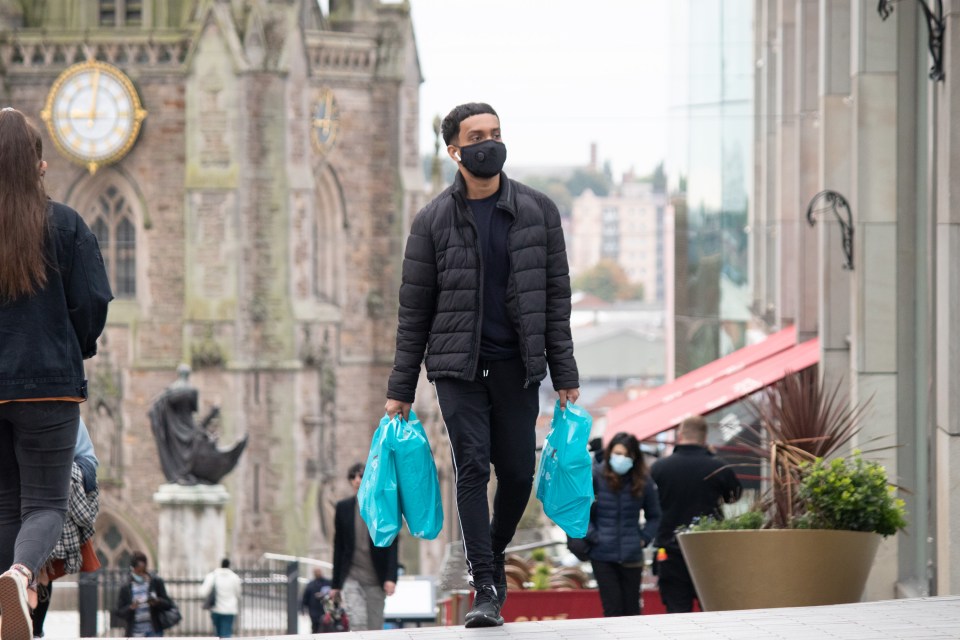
(420, 500)
(564, 476)
(379, 496)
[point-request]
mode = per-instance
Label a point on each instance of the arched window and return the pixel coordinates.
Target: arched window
(115, 541)
(113, 224)
(329, 253)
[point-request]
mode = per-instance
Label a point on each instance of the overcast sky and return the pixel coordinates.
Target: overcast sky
(561, 74)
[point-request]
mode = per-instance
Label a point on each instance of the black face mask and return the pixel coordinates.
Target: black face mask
(484, 159)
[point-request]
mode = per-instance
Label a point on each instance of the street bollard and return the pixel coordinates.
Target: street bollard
(87, 602)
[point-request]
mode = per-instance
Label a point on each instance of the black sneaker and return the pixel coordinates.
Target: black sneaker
(500, 577)
(486, 608)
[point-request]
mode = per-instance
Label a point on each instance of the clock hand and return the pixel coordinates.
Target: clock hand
(93, 102)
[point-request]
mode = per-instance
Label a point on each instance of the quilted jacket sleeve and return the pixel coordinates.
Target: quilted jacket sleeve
(559, 342)
(418, 293)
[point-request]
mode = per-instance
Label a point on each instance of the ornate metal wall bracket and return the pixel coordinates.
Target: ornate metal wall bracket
(935, 28)
(833, 201)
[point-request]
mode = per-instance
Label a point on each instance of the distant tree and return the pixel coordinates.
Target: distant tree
(561, 197)
(557, 191)
(448, 169)
(608, 281)
(583, 179)
(608, 171)
(659, 179)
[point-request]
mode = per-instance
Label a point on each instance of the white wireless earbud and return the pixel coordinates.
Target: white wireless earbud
(457, 155)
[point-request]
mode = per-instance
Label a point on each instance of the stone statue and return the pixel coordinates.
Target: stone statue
(189, 454)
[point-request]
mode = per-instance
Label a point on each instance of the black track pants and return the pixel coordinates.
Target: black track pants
(676, 586)
(490, 419)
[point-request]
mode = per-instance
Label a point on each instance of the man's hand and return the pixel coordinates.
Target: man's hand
(389, 587)
(568, 395)
(393, 407)
(334, 594)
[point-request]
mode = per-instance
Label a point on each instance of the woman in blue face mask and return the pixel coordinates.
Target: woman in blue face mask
(624, 490)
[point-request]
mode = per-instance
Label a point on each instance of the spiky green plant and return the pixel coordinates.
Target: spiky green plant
(800, 420)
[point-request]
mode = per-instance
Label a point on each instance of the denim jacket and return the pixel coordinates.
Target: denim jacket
(44, 338)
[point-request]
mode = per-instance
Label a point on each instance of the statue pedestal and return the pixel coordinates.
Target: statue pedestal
(193, 529)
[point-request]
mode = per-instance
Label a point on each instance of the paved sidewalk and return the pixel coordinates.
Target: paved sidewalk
(918, 618)
(925, 618)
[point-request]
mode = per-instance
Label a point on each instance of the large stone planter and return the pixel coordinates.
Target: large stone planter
(758, 569)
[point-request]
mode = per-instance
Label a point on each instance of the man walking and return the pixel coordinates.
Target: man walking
(486, 296)
(317, 591)
(692, 482)
(364, 573)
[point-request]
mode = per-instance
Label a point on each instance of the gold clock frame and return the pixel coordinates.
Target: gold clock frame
(139, 113)
(324, 121)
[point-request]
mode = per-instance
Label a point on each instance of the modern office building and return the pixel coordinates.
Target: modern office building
(712, 168)
(861, 109)
(852, 241)
(625, 227)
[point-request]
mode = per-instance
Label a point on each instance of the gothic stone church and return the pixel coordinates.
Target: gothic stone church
(250, 193)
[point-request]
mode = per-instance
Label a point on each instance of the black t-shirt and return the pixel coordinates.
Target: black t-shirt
(498, 336)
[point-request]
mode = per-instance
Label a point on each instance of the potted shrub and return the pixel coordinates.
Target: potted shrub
(811, 540)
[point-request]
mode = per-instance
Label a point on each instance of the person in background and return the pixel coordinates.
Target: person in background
(364, 573)
(227, 589)
(316, 592)
(140, 600)
(54, 294)
(74, 552)
(595, 446)
(692, 482)
(485, 306)
(624, 489)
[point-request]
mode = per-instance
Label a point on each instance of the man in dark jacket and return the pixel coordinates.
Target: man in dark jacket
(364, 573)
(141, 599)
(486, 296)
(316, 592)
(692, 482)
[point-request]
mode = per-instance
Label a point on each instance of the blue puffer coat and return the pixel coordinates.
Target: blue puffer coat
(615, 520)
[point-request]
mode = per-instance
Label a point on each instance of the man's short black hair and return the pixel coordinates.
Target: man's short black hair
(354, 471)
(137, 557)
(450, 127)
(225, 563)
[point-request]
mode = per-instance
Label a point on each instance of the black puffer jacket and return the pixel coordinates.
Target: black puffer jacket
(615, 521)
(440, 298)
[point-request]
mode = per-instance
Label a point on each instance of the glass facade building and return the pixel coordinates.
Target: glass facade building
(714, 158)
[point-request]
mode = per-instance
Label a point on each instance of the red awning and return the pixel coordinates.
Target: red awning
(704, 376)
(721, 391)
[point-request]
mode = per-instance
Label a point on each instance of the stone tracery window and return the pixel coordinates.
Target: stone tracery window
(115, 542)
(119, 13)
(113, 224)
(329, 248)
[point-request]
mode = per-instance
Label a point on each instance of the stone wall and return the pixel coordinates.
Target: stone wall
(268, 262)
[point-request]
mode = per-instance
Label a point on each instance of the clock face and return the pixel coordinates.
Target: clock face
(93, 114)
(324, 121)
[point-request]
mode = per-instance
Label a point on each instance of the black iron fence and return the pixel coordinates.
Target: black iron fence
(269, 604)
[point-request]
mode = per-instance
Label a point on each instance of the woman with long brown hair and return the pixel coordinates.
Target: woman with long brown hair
(623, 488)
(53, 306)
